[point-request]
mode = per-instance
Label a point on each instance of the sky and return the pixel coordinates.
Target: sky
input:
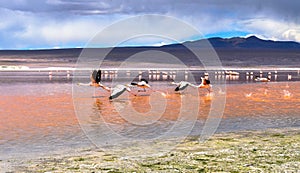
(40, 24)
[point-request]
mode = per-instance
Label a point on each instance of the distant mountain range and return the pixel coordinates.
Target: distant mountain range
(252, 42)
(235, 51)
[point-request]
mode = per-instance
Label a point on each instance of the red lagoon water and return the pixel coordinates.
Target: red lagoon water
(39, 117)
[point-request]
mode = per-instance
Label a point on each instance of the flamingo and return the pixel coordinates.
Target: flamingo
(289, 77)
(262, 79)
(205, 83)
(118, 90)
(95, 80)
(231, 73)
(142, 84)
(182, 85)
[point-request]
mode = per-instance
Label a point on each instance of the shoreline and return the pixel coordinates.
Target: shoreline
(23, 68)
(244, 151)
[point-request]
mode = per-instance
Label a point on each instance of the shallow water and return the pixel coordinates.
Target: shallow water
(38, 116)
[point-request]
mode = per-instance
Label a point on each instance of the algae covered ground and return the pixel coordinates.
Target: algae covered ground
(273, 150)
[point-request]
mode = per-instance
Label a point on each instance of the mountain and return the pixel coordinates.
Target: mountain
(235, 51)
(251, 42)
(250, 51)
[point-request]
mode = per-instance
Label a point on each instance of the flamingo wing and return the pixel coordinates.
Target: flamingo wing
(117, 91)
(181, 86)
(98, 76)
(144, 80)
(93, 76)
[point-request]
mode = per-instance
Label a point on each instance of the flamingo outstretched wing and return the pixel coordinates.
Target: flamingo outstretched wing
(181, 85)
(118, 90)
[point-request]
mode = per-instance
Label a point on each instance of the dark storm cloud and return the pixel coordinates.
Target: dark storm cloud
(288, 10)
(59, 6)
(24, 20)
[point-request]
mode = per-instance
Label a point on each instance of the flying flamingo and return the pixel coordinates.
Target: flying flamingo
(142, 84)
(118, 90)
(95, 80)
(205, 83)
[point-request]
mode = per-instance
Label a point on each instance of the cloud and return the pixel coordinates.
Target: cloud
(292, 34)
(66, 23)
(25, 29)
(145, 30)
(271, 29)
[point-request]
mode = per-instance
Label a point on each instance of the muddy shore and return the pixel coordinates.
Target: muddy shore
(272, 150)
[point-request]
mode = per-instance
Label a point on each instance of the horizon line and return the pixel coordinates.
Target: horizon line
(133, 46)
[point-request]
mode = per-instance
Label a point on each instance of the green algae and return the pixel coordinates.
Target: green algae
(268, 151)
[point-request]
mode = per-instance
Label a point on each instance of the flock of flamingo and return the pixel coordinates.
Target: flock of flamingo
(119, 89)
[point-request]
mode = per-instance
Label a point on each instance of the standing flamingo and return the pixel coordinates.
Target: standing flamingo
(262, 79)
